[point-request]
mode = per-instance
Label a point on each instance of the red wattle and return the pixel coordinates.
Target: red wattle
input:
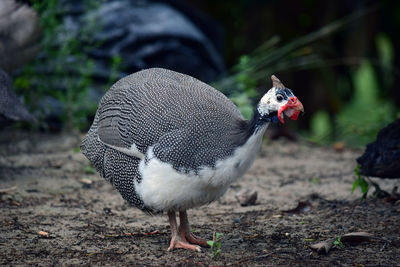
(280, 115)
(295, 115)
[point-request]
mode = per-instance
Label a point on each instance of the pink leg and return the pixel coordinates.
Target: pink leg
(178, 241)
(184, 231)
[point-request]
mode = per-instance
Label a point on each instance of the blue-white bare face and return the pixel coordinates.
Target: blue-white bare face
(274, 99)
(281, 100)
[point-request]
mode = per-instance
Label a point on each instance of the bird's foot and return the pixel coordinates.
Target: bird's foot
(193, 239)
(182, 237)
(185, 233)
(176, 243)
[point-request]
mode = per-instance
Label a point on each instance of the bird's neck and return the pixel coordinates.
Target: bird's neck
(256, 126)
(260, 123)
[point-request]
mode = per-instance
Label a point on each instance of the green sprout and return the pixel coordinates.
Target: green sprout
(361, 182)
(215, 244)
(315, 180)
(89, 169)
(338, 242)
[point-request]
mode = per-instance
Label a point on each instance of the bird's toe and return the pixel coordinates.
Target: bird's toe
(183, 244)
(193, 239)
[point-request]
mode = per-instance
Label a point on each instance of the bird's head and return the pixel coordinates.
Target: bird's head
(279, 101)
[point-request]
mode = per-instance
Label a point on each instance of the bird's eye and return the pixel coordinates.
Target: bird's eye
(279, 98)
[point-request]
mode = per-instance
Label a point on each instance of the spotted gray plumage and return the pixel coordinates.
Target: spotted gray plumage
(122, 170)
(186, 122)
(119, 169)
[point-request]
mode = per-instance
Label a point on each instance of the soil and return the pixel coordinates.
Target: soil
(304, 196)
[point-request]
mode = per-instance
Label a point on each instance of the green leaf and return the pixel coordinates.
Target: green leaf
(210, 243)
(89, 169)
(315, 180)
(355, 184)
(338, 242)
(357, 170)
(218, 235)
(364, 187)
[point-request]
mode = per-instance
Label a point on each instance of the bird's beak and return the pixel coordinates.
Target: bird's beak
(295, 104)
(291, 109)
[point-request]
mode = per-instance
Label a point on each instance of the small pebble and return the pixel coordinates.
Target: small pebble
(246, 197)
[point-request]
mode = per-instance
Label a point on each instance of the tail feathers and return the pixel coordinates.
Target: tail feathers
(94, 150)
(119, 169)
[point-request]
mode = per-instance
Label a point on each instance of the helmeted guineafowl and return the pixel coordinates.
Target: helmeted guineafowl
(169, 142)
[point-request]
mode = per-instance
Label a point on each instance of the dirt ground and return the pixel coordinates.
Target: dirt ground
(46, 185)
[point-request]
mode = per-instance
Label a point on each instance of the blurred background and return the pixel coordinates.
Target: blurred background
(339, 58)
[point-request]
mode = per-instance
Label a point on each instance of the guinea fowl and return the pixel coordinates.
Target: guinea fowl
(169, 142)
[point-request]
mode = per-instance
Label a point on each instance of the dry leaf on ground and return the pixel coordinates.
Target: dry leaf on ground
(352, 238)
(324, 246)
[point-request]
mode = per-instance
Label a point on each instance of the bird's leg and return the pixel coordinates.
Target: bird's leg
(185, 232)
(178, 241)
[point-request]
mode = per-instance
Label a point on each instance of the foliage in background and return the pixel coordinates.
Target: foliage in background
(246, 87)
(64, 52)
(320, 127)
(116, 63)
(368, 111)
(360, 120)
(272, 57)
(386, 59)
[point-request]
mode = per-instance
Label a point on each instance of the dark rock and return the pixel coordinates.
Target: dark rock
(382, 157)
(11, 109)
(246, 197)
(20, 33)
(144, 34)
